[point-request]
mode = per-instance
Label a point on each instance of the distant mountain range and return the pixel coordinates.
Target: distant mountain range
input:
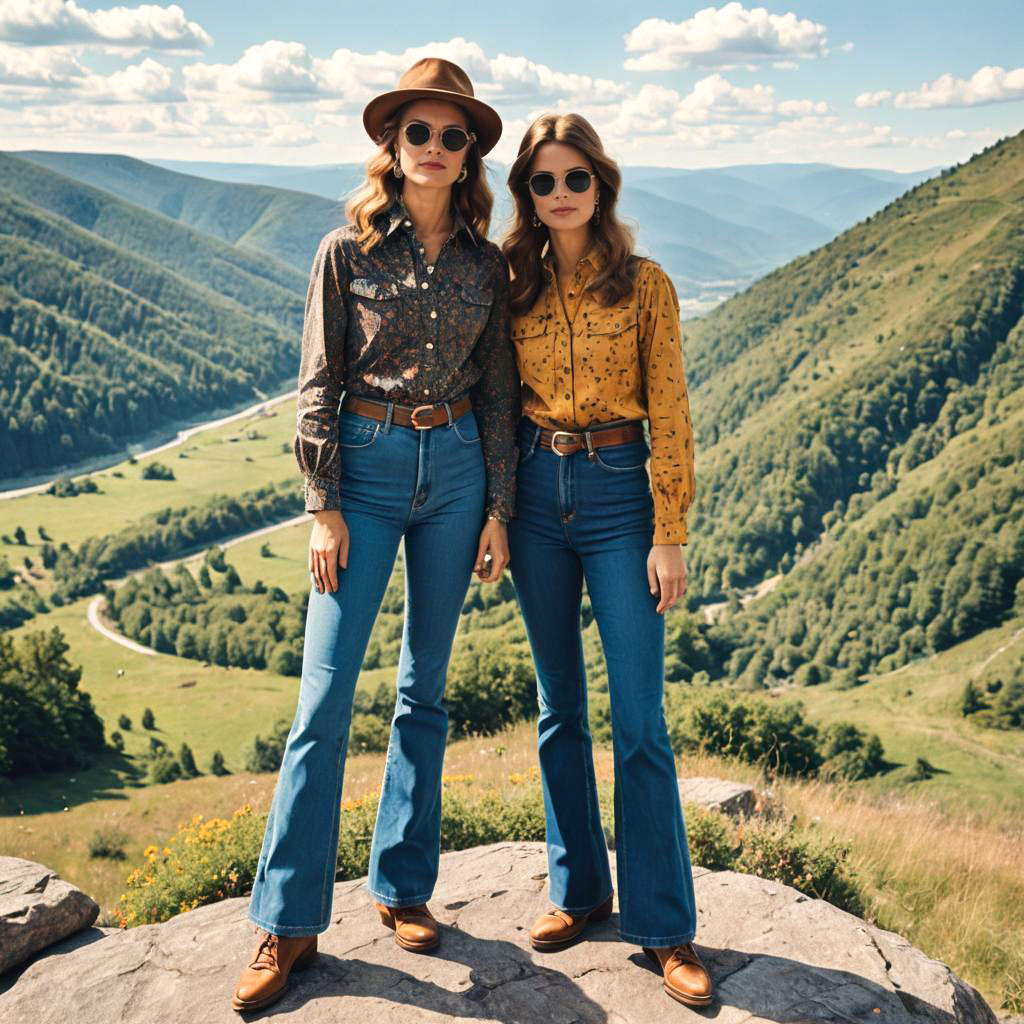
(116, 321)
(714, 231)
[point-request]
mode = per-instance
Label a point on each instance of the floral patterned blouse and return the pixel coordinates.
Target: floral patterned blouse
(387, 325)
(584, 364)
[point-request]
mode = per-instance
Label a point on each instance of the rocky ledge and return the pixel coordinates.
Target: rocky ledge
(775, 955)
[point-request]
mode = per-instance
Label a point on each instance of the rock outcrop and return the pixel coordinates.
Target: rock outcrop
(732, 798)
(37, 909)
(776, 956)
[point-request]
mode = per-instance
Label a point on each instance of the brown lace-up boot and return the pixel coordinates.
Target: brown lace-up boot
(557, 928)
(415, 928)
(265, 980)
(686, 979)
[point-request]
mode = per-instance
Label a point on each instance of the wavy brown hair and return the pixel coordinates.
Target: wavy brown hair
(381, 188)
(524, 242)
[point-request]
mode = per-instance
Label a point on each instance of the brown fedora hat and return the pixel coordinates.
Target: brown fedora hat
(435, 79)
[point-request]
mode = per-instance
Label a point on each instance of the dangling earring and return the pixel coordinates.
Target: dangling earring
(597, 211)
(396, 168)
(536, 220)
(463, 174)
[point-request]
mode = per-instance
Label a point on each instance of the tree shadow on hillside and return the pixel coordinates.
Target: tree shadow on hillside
(107, 778)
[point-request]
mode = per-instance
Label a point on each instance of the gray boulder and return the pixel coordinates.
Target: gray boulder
(37, 909)
(732, 798)
(776, 956)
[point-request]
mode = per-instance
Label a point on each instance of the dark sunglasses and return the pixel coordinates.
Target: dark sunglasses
(543, 182)
(453, 139)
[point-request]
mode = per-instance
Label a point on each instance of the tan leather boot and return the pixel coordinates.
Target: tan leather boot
(557, 928)
(415, 928)
(265, 980)
(686, 979)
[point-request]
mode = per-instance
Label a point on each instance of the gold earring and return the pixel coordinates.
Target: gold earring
(597, 211)
(396, 169)
(536, 220)
(463, 174)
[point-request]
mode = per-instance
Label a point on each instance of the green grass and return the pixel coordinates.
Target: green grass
(916, 712)
(217, 461)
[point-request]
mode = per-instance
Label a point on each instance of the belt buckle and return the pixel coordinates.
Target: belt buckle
(554, 434)
(412, 416)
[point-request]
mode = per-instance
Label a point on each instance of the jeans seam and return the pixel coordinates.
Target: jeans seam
(406, 901)
(657, 940)
(290, 930)
(331, 858)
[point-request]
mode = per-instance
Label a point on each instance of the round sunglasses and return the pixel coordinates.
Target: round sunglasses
(454, 139)
(543, 182)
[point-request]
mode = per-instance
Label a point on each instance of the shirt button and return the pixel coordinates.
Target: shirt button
(426, 391)
(430, 269)
(433, 314)
(430, 344)
(407, 223)
(424, 285)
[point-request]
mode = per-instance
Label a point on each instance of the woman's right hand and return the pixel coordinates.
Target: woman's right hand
(328, 548)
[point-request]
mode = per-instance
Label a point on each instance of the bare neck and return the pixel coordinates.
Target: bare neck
(429, 208)
(569, 247)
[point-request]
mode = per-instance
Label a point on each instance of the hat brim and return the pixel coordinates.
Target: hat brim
(485, 120)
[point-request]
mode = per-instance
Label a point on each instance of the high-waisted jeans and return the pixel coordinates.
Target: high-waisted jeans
(427, 486)
(592, 519)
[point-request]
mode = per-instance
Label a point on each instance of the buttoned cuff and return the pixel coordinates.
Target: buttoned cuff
(670, 533)
(321, 495)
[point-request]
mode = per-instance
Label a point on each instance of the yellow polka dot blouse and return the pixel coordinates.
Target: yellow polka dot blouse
(583, 364)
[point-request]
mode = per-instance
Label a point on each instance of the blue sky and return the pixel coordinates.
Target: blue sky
(903, 84)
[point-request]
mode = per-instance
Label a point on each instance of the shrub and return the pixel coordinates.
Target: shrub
(267, 751)
(148, 719)
(157, 471)
(188, 762)
(814, 866)
(117, 741)
(109, 843)
(124, 722)
(164, 766)
(489, 686)
(217, 765)
(369, 733)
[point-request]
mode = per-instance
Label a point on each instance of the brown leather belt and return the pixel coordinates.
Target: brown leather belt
(568, 442)
(421, 417)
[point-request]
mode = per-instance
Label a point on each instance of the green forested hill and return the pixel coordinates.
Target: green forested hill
(115, 321)
(282, 222)
(860, 427)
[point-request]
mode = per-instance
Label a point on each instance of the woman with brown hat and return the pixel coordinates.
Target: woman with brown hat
(599, 350)
(407, 318)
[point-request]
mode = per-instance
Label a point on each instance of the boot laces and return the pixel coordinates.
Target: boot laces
(268, 949)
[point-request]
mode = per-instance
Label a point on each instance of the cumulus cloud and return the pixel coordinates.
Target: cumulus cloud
(873, 99)
(986, 85)
(64, 23)
(23, 67)
(725, 37)
(288, 71)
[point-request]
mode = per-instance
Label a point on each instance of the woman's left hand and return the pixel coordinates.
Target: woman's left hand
(666, 573)
(493, 542)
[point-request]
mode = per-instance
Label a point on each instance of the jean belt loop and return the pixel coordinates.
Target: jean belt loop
(536, 436)
(387, 420)
(448, 409)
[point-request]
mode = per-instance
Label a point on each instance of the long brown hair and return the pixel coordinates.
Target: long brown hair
(381, 188)
(522, 245)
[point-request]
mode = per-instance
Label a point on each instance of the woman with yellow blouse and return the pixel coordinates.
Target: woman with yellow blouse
(598, 345)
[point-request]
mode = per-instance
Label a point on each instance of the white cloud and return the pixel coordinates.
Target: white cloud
(63, 23)
(38, 68)
(149, 81)
(288, 71)
(726, 37)
(986, 85)
(873, 99)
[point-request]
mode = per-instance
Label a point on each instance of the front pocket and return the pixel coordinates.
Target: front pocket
(623, 458)
(357, 431)
(380, 288)
(466, 429)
